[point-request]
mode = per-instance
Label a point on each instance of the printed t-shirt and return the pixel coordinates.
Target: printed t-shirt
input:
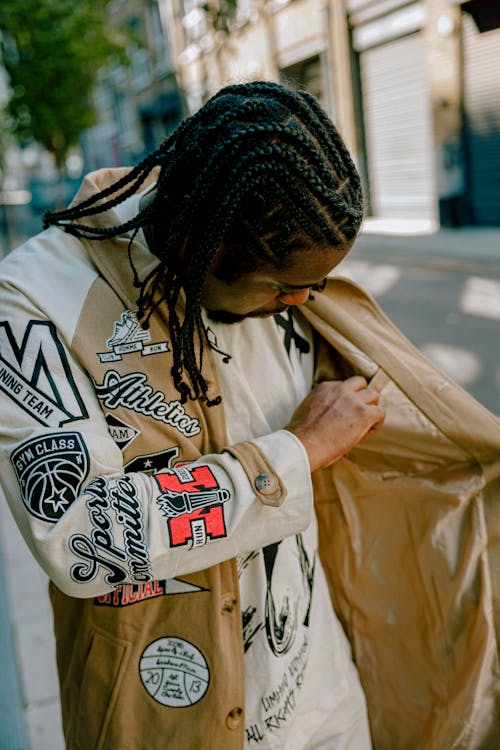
(296, 655)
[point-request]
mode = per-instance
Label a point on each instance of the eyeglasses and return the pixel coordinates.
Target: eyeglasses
(319, 286)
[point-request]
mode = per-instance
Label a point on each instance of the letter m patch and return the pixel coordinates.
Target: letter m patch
(35, 373)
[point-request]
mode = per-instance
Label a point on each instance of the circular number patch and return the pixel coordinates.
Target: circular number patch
(174, 672)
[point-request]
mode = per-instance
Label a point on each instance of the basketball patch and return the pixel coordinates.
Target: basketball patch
(51, 470)
(174, 672)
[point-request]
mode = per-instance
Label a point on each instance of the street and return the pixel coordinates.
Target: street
(447, 304)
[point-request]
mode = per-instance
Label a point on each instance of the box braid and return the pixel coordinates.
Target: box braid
(258, 173)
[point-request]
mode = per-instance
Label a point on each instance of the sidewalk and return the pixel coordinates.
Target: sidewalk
(12, 730)
(32, 721)
(413, 241)
(30, 704)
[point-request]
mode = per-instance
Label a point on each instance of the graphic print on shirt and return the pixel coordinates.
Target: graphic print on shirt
(129, 336)
(285, 623)
(193, 503)
(251, 625)
(36, 374)
(51, 470)
(290, 333)
(114, 510)
(214, 345)
(133, 392)
(280, 622)
(174, 672)
(135, 593)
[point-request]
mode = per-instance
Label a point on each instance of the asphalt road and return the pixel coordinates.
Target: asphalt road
(448, 306)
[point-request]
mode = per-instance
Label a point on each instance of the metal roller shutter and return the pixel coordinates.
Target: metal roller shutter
(398, 130)
(482, 117)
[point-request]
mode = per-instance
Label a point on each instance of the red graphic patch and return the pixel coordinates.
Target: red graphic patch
(131, 593)
(134, 593)
(193, 501)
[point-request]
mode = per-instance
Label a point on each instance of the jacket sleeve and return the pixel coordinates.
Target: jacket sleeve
(92, 526)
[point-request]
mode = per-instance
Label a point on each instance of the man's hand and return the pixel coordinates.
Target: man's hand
(334, 417)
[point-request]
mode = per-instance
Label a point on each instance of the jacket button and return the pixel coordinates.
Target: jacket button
(228, 603)
(234, 718)
(266, 484)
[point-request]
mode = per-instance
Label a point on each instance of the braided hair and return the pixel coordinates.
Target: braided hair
(258, 173)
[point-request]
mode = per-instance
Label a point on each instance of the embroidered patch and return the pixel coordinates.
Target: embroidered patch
(174, 672)
(192, 501)
(28, 379)
(129, 336)
(133, 392)
(51, 470)
(113, 506)
(152, 462)
(135, 593)
(121, 432)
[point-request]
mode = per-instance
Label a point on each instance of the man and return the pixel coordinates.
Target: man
(158, 445)
(175, 388)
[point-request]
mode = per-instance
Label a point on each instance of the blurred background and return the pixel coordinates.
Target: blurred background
(413, 87)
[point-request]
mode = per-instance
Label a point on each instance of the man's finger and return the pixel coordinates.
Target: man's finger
(357, 382)
(370, 396)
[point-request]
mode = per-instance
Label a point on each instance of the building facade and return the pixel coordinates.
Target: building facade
(412, 85)
(137, 104)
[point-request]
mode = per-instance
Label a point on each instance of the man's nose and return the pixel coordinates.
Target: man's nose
(295, 298)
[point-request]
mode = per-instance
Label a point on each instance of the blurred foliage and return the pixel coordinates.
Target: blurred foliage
(4, 138)
(221, 14)
(52, 51)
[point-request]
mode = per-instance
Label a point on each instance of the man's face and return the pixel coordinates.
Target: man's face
(268, 290)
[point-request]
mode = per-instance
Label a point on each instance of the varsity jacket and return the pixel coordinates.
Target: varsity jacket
(136, 507)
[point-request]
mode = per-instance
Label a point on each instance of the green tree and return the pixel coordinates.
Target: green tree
(221, 14)
(52, 51)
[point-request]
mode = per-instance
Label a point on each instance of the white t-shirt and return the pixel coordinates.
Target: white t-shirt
(296, 655)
